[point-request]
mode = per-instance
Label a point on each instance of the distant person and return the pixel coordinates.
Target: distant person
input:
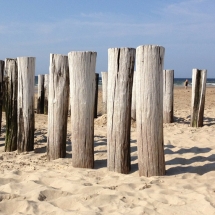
(186, 84)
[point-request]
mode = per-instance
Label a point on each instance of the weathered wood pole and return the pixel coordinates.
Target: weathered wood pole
(149, 100)
(69, 107)
(133, 102)
(1, 89)
(58, 106)
(104, 91)
(10, 103)
(46, 93)
(25, 104)
(96, 94)
(199, 78)
(82, 93)
(120, 79)
(41, 94)
(168, 95)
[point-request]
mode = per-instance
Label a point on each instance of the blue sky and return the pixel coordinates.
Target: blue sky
(185, 28)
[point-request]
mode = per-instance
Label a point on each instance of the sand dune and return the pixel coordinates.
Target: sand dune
(29, 184)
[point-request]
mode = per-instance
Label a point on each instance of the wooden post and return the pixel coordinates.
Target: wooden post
(199, 78)
(58, 106)
(168, 97)
(149, 100)
(41, 95)
(96, 94)
(25, 104)
(69, 107)
(1, 89)
(104, 91)
(46, 93)
(11, 89)
(82, 93)
(120, 79)
(133, 102)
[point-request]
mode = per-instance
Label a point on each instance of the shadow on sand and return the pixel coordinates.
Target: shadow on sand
(184, 161)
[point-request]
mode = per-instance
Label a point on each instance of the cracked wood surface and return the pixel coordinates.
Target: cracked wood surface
(120, 79)
(149, 112)
(25, 103)
(168, 97)
(82, 92)
(58, 106)
(11, 90)
(199, 78)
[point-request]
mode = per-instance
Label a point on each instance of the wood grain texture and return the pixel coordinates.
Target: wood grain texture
(120, 79)
(25, 103)
(96, 94)
(104, 91)
(10, 99)
(58, 106)
(40, 94)
(149, 104)
(133, 102)
(168, 96)
(1, 89)
(199, 78)
(82, 93)
(46, 93)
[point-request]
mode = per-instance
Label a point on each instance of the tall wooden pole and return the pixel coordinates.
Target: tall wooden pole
(133, 102)
(199, 78)
(58, 106)
(11, 90)
(149, 95)
(120, 80)
(69, 107)
(82, 93)
(25, 105)
(168, 96)
(1, 89)
(96, 94)
(46, 93)
(41, 94)
(104, 91)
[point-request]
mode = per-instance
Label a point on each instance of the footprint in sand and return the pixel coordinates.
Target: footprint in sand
(47, 195)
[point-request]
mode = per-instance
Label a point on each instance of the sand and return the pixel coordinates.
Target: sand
(29, 184)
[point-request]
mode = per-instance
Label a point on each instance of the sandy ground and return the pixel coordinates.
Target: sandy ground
(29, 184)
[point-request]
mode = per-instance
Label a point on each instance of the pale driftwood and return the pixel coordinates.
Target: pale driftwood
(58, 106)
(133, 102)
(120, 80)
(82, 93)
(199, 78)
(1, 89)
(96, 94)
(25, 104)
(10, 103)
(46, 93)
(41, 95)
(149, 112)
(104, 91)
(168, 95)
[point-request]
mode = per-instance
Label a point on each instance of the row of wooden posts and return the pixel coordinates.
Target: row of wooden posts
(153, 85)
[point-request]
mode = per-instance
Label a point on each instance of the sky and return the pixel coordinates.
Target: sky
(186, 29)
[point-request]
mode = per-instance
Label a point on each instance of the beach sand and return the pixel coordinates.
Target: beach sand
(29, 184)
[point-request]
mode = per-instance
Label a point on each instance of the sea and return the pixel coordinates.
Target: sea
(177, 81)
